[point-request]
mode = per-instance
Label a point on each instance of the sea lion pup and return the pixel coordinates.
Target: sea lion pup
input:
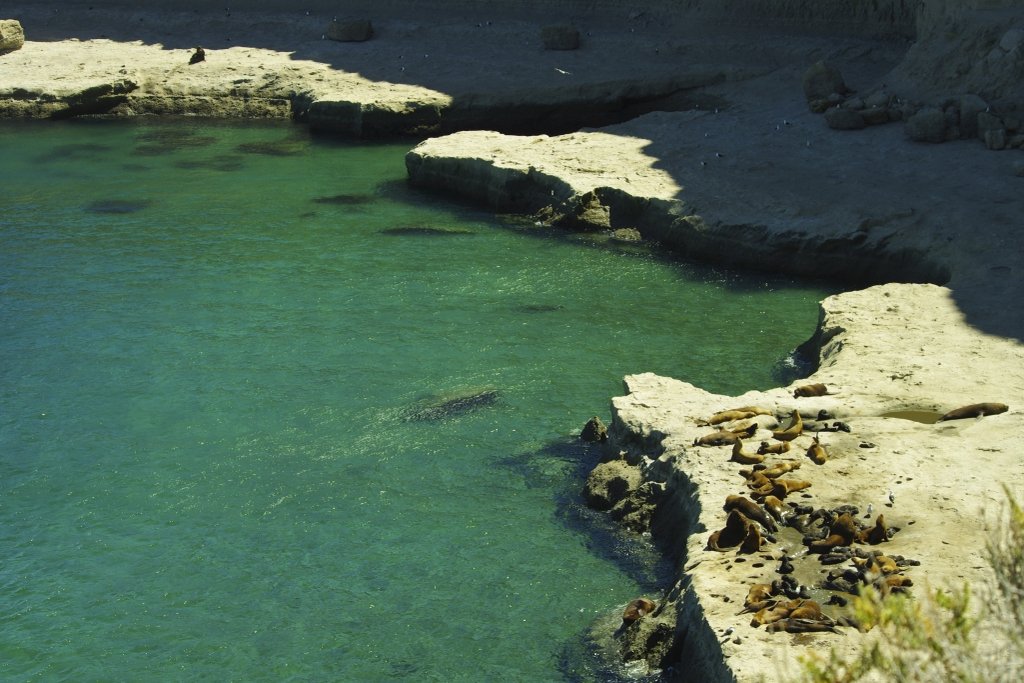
(636, 609)
(736, 414)
(725, 437)
(198, 56)
(757, 597)
(743, 457)
(809, 390)
(792, 430)
(775, 448)
(732, 534)
(975, 410)
(750, 510)
(879, 533)
(817, 453)
(753, 541)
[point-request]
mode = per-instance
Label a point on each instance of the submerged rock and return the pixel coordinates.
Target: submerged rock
(441, 409)
(119, 205)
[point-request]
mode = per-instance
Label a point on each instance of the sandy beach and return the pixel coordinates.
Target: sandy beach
(693, 129)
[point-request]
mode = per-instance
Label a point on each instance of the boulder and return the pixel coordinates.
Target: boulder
(560, 38)
(927, 125)
(822, 80)
(594, 431)
(874, 116)
(351, 31)
(12, 36)
(970, 107)
(995, 139)
(841, 118)
(611, 482)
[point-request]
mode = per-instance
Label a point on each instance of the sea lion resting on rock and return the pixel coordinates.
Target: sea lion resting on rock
(743, 457)
(794, 625)
(750, 510)
(809, 390)
(975, 410)
(636, 609)
(776, 448)
(732, 534)
(816, 452)
(792, 430)
(736, 414)
(725, 437)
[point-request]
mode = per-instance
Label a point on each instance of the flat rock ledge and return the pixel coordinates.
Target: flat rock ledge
(893, 358)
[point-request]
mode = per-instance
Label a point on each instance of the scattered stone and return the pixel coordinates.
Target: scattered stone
(594, 431)
(12, 35)
(822, 80)
(627, 235)
(876, 116)
(841, 118)
(351, 31)
(877, 99)
(560, 38)
(927, 125)
(970, 107)
(995, 139)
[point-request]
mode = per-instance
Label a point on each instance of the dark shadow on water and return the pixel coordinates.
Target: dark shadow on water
(75, 152)
(346, 199)
(274, 148)
(119, 206)
(223, 162)
(424, 231)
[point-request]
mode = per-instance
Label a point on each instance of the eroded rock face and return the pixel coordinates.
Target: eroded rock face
(610, 482)
(12, 35)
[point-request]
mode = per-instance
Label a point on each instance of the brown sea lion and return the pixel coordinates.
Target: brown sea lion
(772, 613)
(198, 56)
(879, 533)
(780, 468)
(808, 609)
(758, 593)
(784, 487)
(808, 390)
(750, 510)
(776, 448)
(743, 457)
(975, 410)
(732, 534)
(775, 508)
(725, 437)
(636, 609)
(736, 414)
(801, 626)
(753, 541)
(816, 452)
(791, 430)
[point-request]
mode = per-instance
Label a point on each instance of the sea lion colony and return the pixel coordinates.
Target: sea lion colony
(837, 544)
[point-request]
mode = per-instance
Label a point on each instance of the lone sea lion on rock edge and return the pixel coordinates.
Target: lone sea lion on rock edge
(198, 56)
(636, 609)
(809, 390)
(975, 410)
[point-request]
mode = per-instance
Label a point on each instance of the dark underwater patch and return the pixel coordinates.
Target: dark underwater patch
(74, 151)
(425, 231)
(346, 199)
(118, 206)
(279, 148)
(539, 308)
(441, 409)
(224, 162)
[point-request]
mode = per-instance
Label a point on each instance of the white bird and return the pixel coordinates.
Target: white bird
(871, 508)
(892, 497)
(565, 73)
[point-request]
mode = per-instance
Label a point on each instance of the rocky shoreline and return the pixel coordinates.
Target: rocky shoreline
(716, 153)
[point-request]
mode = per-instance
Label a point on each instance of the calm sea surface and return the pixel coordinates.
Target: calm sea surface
(222, 352)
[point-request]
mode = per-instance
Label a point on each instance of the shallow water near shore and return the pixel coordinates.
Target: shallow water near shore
(268, 414)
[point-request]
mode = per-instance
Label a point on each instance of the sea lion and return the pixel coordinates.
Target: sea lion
(780, 468)
(816, 452)
(801, 626)
(791, 430)
(758, 593)
(879, 533)
(753, 541)
(775, 448)
(734, 532)
(783, 487)
(637, 609)
(808, 390)
(440, 409)
(750, 510)
(725, 437)
(198, 56)
(736, 414)
(743, 457)
(775, 508)
(975, 410)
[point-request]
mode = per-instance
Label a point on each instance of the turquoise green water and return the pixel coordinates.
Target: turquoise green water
(208, 469)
